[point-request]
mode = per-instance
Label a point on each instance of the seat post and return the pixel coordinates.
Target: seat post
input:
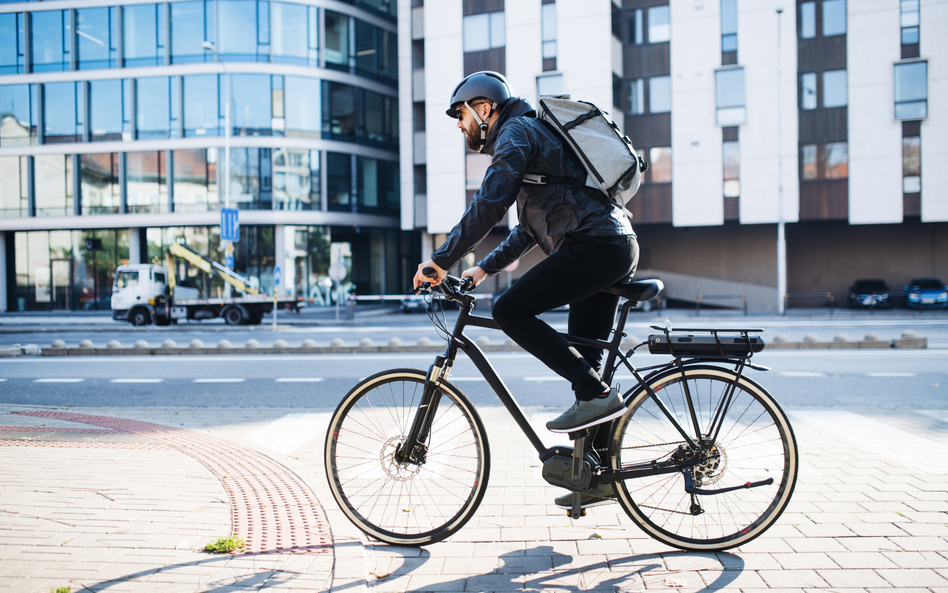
(609, 365)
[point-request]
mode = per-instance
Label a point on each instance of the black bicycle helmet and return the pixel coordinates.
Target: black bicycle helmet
(490, 85)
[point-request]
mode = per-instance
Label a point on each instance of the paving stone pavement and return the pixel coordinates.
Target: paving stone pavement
(870, 513)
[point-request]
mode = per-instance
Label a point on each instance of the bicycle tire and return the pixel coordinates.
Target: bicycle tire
(755, 442)
(406, 504)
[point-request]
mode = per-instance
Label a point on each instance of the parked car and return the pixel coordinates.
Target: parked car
(869, 293)
(926, 293)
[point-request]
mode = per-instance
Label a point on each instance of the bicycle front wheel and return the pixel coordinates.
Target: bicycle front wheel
(743, 437)
(406, 503)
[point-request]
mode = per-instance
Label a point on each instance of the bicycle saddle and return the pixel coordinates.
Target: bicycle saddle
(636, 290)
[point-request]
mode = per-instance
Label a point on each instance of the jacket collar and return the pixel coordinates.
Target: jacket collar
(514, 107)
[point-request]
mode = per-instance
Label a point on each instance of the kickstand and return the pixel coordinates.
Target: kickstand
(576, 510)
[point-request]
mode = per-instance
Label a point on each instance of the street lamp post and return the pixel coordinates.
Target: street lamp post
(781, 230)
(208, 46)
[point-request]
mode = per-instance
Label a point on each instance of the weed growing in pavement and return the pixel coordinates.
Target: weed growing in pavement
(222, 545)
(61, 590)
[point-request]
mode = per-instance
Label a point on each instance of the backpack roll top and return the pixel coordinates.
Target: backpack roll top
(611, 164)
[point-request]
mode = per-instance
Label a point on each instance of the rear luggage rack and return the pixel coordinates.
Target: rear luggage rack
(709, 343)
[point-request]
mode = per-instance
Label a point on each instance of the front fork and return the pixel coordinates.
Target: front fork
(413, 449)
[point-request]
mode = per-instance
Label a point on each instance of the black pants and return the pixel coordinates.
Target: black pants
(573, 275)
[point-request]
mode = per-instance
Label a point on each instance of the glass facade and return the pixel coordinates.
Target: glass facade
(184, 175)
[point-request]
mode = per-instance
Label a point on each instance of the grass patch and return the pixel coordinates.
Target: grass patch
(223, 545)
(61, 590)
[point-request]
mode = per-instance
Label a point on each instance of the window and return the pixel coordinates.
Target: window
(251, 178)
(105, 113)
(834, 88)
(153, 119)
(548, 18)
(659, 94)
(637, 97)
(61, 117)
(338, 181)
(337, 40)
(380, 119)
(99, 183)
(13, 195)
(144, 34)
(16, 111)
(296, 179)
(728, 25)
(12, 54)
(909, 21)
(302, 106)
(238, 31)
(808, 91)
(911, 90)
(659, 28)
(729, 91)
(339, 112)
(52, 177)
(253, 112)
(293, 33)
(98, 32)
(912, 164)
(375, 51)
(637, 27)
(550, 85)
(834, 17)
(732, 169)
(195, 180)
(808, 20)
(378, 185)
(50, 40)
(484, 31)
(660, 165)
(201, 105)
(824, 161)
(189, 29)
(145, 181)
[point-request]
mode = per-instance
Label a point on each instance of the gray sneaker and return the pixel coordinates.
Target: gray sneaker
(584, 414)
(598, 496)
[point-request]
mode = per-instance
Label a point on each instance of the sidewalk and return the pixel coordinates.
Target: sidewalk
(104, 500)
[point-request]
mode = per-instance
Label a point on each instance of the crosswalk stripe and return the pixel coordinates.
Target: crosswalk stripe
(59, 380)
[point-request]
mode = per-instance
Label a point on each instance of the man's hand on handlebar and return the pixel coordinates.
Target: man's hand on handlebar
(476, 274)
(428, 272)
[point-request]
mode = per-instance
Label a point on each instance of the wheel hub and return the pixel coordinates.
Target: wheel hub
(711, 465)
(398, 471)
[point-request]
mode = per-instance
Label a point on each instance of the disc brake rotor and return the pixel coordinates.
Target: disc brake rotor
(400, 472)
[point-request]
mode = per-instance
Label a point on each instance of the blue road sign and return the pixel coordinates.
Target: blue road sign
(276, 275)
(230, 225)
(229, 262)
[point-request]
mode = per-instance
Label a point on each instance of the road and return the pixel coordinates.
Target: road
(849, 379)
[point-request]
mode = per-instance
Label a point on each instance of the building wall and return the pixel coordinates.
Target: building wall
(697, 162)
(934, 48)
(444, 147)
(771, 119)
(584, 49)
(875, 137)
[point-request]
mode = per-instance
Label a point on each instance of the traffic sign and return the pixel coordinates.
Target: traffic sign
(337, 272)
(277, 275)
(229, 262)
(230, 225)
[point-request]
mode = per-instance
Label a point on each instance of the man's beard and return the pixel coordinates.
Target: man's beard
(472, 137)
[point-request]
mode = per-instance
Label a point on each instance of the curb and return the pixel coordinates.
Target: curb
(168, 348)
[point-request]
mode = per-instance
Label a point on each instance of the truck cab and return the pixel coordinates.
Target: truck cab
(133, 287)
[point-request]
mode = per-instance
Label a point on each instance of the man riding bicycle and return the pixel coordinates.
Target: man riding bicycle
(588, 240)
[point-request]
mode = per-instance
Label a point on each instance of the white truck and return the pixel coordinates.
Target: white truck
(147, 293)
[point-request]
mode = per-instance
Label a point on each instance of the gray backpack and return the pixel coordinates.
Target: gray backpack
(612, 166)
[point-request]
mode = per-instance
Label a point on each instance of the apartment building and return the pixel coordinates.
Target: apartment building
(795, 145)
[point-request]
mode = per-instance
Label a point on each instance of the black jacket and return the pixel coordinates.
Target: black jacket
(547, 214)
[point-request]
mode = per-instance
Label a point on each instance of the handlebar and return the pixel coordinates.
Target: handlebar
(453, 288)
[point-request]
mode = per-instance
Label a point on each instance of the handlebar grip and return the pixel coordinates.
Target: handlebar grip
(429, 272)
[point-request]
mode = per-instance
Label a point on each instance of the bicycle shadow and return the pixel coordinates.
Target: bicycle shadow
(541, 568)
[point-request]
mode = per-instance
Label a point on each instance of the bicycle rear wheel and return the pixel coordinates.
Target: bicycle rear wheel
(406, 503)
(755, 442)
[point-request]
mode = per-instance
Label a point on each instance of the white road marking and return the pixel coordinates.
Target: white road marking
(222, 380)
(545, 378)
(802, 374)
(883, 374)
(299, 380)
(137, 380)
(59, 380)
(291, 432)
(456, 379)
